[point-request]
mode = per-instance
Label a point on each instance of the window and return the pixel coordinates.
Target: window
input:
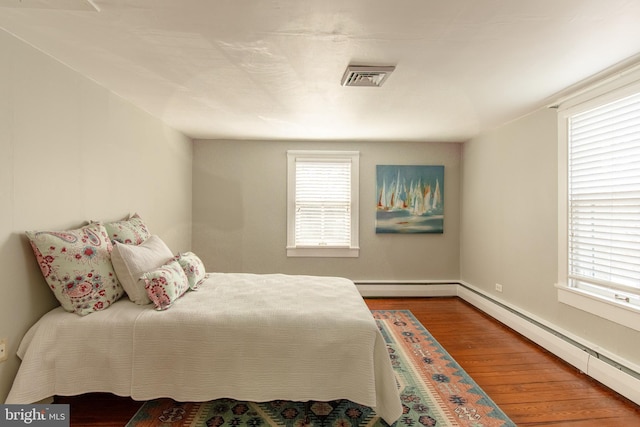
(322, 198)
(600, 265)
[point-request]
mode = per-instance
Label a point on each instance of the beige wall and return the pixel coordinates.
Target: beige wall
(509, 232)
(71, 151)
(239, 212)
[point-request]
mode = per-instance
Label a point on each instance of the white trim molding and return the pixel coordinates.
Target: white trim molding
(385, 288)
(624, 313)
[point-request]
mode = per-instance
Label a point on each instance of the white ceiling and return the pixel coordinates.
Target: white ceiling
(271, 69)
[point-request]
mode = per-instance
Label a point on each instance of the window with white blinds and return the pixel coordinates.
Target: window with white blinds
(603, 189)
(322, 203)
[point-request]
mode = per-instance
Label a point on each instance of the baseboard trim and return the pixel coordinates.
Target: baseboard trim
(619, 375)
(388, 289)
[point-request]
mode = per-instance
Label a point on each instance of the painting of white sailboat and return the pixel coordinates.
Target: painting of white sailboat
(409, 199)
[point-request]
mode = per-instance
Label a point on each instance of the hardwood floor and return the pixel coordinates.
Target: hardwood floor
(532, 386)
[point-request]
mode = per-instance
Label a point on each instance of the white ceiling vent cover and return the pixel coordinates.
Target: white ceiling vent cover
(366, 76)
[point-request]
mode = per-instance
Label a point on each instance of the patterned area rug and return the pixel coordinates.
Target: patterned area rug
(435, 391)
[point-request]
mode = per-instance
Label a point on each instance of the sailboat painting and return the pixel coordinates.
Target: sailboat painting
(409, 199)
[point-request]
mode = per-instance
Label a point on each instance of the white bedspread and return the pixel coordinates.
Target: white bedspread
(243, 336)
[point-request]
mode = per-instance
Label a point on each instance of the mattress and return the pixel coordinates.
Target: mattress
(243, 336)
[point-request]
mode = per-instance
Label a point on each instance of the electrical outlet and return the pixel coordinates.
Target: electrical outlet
(498, 287)
(3, 350)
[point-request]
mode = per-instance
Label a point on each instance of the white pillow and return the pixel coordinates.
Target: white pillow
(130, 262)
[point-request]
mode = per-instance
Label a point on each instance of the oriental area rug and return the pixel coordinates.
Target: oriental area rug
(434, 389)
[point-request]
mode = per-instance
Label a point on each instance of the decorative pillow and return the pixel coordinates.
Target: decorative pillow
(131, 261)
(76, 265)
(166, 284)
(193, 268)
(131, 231)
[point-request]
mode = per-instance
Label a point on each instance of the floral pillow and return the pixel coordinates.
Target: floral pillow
(76, 265)
(193, 268)
(165, 284)
(132, 231)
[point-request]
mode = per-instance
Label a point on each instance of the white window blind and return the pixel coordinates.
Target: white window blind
(322, 203)
(604, 199)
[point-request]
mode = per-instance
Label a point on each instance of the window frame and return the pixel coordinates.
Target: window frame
(599, 301)
(353, 250)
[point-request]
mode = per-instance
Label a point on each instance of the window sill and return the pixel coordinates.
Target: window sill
(320, 252)
(608, 308)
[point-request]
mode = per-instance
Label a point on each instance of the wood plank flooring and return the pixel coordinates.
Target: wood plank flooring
(532, 386)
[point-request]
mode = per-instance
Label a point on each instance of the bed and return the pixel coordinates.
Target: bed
(243, 336)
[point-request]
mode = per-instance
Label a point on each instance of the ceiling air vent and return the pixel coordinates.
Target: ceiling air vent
(366, 76)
